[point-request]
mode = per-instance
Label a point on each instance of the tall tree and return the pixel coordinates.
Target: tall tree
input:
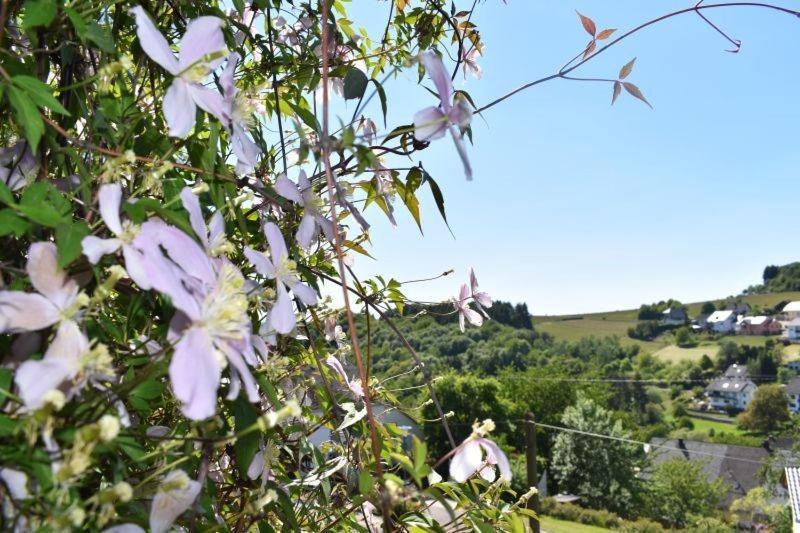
(767, 411)
(601, 471)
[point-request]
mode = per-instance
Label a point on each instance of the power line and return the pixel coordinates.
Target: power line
(647, 444)
(626, 380)
(626, 440)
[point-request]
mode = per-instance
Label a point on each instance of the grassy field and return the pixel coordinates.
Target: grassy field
(616, 323)
(553, 525)
(701, 424)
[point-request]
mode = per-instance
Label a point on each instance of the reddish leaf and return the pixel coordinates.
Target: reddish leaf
(634, 91)
(617, 90)
(624, 71)
(605, 34)
(589, 49)
(588, 24)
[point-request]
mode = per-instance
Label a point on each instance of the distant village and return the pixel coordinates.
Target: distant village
(734, 390)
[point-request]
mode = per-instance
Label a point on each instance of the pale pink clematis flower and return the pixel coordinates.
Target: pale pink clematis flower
(57, 301)
(211, 327)
(126, 236)
(432, 122)
(469, 457)
(354, 385)
(238, 113)
(482, 299)
(284, 271)
(16, 481)
(175, 495)
(202, 49)
(464, 312)
(313, 219)
(212, 237)
(61, 363)
(470, 63)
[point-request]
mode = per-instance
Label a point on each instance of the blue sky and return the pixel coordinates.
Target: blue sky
(579, 206)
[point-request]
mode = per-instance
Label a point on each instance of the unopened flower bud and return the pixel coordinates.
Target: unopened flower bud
(109, 427)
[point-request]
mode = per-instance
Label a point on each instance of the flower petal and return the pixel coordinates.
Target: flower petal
(466, 461)
(240, 367)
(169, 504)
(245, 150)
(286, 188)
(208, 100)
(307, 231)
(192, 204)
(195, 373)
(261, 262)
(110, 198)
(203, 37)
(153, 42)
(179, 109)
(134, 264)
(435, 69)
(305, 293)
(16, 481)
(429, 124)
(95, 248)
(277, 246)
(281, 316)
(23, 311)
(47, 277)
(462, 152)
(124, 528)
(495, 456)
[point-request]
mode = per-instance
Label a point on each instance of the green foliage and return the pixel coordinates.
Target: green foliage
(678, 489)
(603, 473)
(767, 411)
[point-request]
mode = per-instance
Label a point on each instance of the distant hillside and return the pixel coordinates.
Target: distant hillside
(779, 279)
(616, 323)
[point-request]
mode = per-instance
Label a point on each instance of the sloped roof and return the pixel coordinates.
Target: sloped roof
(793, 486)
(719, 316)
(737, 466)
(736, 371)
(730, 385)
(792, 306)
(793, 387)
(756, 320)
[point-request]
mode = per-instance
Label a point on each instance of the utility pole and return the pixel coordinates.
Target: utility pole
(533, 476)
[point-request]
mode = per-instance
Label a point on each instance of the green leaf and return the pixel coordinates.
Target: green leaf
(10, 222)
(305, 115)
(355, 83)
(245, 415)
(148, 390)
(100, 36)
(438, 197)
(6, 196)
(27, 116)
(45, 215)
(68, 239)
(5, 384)
(382, 95)
(77, 22)
(39, 13)
(40, 93)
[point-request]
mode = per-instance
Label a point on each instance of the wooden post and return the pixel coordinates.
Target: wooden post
(533, 476)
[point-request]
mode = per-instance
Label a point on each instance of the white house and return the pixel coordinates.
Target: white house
(726, 392)
(791, 310)
(792, 331)
(722, 321)
(793, 392)
(793, 487)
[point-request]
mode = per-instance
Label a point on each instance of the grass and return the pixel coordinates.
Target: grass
(616, 323)
(675, 354)
(554, 525)
(701, 424)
